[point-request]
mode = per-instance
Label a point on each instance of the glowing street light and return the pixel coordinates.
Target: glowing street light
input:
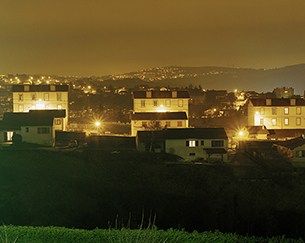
(97, 124)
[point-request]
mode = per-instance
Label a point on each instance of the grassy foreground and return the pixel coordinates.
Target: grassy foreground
(20, 234)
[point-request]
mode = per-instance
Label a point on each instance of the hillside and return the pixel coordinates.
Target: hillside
(96, 188)
(223, 78)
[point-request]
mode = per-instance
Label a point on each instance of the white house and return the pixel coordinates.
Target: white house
(155, 102)
(277, 113)
(209, 144)
(33, 126)
(41, 97)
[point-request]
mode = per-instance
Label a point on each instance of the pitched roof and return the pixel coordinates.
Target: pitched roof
(31, 118)
(160, 94)
(285, 133)
(159, 116)
(257, 129)
(40, 88)
(277, 102)
(185, 133)
(292, 143)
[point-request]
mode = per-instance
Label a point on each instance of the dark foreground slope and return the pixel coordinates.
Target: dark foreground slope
(99, 189)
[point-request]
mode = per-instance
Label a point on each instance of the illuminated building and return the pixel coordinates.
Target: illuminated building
(148, 106)
(42, 97)
(276, 113)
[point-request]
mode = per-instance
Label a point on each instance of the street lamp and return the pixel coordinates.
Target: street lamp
(97, 124)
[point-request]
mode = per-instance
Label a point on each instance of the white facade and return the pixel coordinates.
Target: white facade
(42, 97)
(44, 135)
(277, 113)
(160, 102)
(198, 148)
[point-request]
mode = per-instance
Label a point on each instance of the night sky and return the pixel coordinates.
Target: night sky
(101, 37)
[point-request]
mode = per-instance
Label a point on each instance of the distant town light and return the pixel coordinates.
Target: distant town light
(241, 133)
(97, 124)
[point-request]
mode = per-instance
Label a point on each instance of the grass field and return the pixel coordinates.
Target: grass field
(99, 189)
(10, 234)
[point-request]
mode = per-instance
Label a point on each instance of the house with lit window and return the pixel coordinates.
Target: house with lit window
(35, 126)
(41, 97)
(173, 105)
(209, 144)
(277, 113)
(293, 150)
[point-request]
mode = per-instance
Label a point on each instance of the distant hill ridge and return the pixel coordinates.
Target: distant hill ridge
(210, 77)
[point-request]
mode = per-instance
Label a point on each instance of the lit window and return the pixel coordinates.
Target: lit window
(298, 121)
(20, 108)
(59, 107)
(179, 123)
(298, 110)
(217, 143)
(192, 143)
(167, 103)
(59, 96)
(155, 103)
(180, 103)
(273, 122)
(33, 96)
(46, 96)
(47, 107)
(286, 121)
(274, 111)
(262, 111)
(33, 107)
(286, 110)
(9, 136)
(142, 103)
(20, 97)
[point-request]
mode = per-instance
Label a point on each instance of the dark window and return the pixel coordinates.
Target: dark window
(43, 130)
(192, 154)
(217, 143)
(202, 143)
(27, 129)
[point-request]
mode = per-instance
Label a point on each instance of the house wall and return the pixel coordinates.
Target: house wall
(30, 134)
(137, 125)
(178, 147)
(40, 103)
(256, 116)
(161, 105)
